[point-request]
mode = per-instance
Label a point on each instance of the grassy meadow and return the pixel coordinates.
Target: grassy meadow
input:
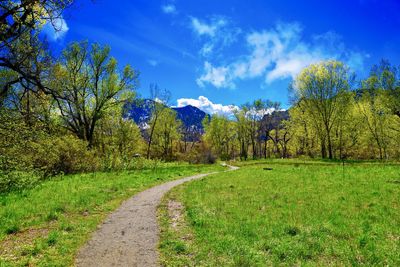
(46, 225)
(289, 213)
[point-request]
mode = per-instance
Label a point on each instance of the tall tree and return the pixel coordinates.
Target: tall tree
(319, 88)
(166, 134)
(271, 121)
(159, 99)
(386, 77)
(372, 106)
(220, 134)
(118, 139)
(242, 130)
(284, 138)
(254, 112)
(87, 84)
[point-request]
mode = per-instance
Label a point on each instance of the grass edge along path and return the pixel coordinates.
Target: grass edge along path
(47, 225)
(175, 233)
(176, 245)
(294, 214)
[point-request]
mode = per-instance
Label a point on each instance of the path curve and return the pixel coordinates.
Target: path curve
(129, 236)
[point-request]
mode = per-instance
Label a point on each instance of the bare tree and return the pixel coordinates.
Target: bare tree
(159, 97)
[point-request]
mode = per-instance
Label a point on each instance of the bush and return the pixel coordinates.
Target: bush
(75, 157)
(65, 154)
(200, 154)
(17, 180)
(22, 166)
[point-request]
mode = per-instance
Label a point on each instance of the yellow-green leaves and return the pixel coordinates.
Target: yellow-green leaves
(90, 86)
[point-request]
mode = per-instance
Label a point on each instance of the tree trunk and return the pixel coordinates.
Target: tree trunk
(149, 143)
(265, 148)
(151, 138)
(253, 145)
(323, 149)
(330, 147)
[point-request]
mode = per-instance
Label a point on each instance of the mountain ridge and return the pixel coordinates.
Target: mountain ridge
(190, 116)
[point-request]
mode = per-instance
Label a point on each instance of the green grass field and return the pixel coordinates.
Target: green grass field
(297, 214)
(46, 225)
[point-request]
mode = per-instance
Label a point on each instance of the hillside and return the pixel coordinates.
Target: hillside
(190, 116)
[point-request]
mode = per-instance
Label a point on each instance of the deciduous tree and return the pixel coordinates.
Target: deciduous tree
(319, 89)
(87, 84)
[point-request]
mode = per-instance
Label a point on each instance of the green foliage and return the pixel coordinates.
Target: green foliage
(31, 149)
(387, 78)
(87, 85)
(242, 130)
(165, 134)
(199, 154)
(65, 154)
(17, 180)
(221, 136)
(46, 157)
(118, 141)
(322, 89)
(327, 117)
(28, 153)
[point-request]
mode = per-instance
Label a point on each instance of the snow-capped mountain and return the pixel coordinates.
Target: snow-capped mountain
(191, 117)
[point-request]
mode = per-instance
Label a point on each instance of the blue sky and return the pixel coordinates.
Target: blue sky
(212, 54)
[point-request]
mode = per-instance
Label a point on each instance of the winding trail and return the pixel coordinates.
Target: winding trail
(129, 236)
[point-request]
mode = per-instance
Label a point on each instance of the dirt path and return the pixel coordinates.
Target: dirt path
(129, 236)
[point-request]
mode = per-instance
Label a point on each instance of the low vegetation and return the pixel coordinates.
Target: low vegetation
(47, 224)
(288, 213)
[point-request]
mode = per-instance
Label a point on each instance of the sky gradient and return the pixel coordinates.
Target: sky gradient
(212, 54)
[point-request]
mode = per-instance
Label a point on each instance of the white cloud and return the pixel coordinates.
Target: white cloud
(210, 29)
(207, 106)
(217, 32)
(152, 62)
(207, 49)
(219, 77)
(169, 9)
(56, 29)
(278, 53)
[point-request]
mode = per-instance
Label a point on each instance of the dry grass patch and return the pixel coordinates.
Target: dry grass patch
(176, 234)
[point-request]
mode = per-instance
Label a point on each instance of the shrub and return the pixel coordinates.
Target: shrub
(22, 166)
(200, 154)
(74, 156)
(17, 180)
(65, 154)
